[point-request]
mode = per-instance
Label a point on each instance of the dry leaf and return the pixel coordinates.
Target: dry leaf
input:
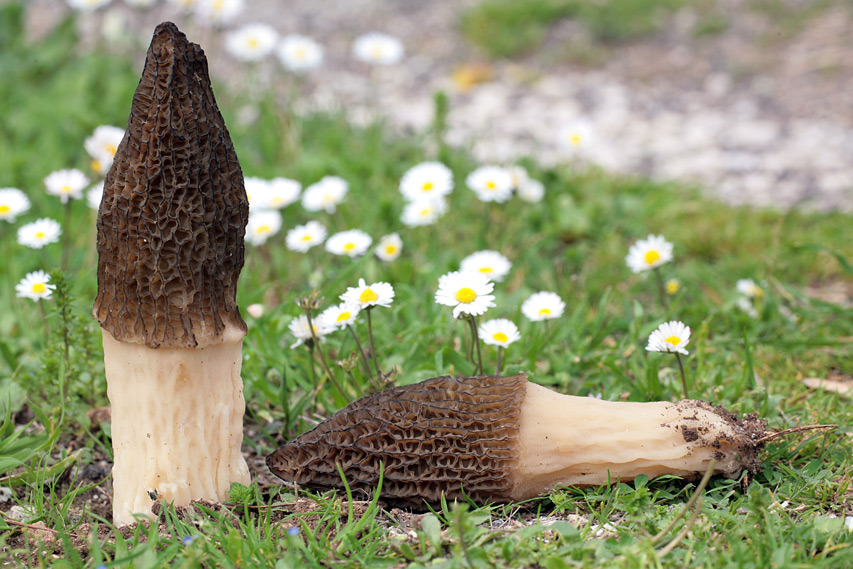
(833, 385)
(469, 74)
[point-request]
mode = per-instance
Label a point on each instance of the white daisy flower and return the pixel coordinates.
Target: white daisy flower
(218, 12)
(35, 286)
(325, 194)
(365, 296)
(94, 195)
(575, 138)
(649, 253)
(426, 180)
(257, 192)
(490, 263)
(352, 243)
(746, 305)
(283, 192)
(670, 337)
(531, 191)
(251, 42)
(87, 5)
(467, 293)
(66, 184)
(749, 288)
(140, 3)
(300, 329)
(303, 237)
(262, 225)
(13, 202)
(499, 332)
(672, 286)
(378, 49)
(39, 233)
(102, 147)
(424, 211)
(340, 316)
(491, 183)
(543, 306)
(299, 53)
(389, 247)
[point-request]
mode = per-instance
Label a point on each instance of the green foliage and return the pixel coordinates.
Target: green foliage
(507, 28)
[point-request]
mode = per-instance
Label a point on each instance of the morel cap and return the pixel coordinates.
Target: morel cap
(174, 212)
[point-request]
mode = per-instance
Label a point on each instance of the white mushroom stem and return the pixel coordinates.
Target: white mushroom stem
(606, 441)
(177, 422)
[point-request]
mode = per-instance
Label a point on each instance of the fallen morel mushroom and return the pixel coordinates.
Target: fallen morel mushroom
(501, 439)
(170, 247)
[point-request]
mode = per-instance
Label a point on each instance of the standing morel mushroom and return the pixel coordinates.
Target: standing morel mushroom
(504, 439)
(170, 246)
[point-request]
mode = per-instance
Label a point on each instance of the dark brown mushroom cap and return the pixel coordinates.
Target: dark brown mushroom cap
(174, 212)
(443, 435)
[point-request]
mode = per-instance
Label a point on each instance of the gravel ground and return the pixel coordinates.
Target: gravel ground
(750, 119)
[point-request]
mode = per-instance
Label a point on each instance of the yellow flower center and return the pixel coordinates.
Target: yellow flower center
(500, 337)
(306, 238)
(575, 139)
(263, 229)
(491, 185)
(95, 165)
(300, 53)
(40, 235)
(343, 316)
(376, 52)
(544, 312)
(485, 270)
(111, 148)
(390, 249)
(757, 291)
(65, 189)
(674, 340)
(426, 211)
(39, 288)
(368, 296)
(253, 42)
(427, 186)
(349, 247)
(5, 209)
(651, 257)
(466, 295)
(276, 201)
(672, 286)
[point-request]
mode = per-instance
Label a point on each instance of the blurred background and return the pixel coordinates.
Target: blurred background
(752, 100)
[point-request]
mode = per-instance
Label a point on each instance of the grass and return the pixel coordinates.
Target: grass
(508, 28)
(54, 449)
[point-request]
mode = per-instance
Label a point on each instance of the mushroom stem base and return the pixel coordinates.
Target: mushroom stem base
(177, 423)
(579, 441)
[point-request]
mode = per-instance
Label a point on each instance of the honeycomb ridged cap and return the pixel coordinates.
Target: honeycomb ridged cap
(173, 217)
(444, 435)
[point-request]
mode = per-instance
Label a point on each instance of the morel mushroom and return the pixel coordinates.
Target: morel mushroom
(170, 246)
(502, 439)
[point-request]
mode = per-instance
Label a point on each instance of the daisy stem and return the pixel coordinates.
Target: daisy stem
(44, 320)
(66, 237)
(322, 356)
(661, 288)
(361, 351)
(313, 372)
(475, 339)
(373, 354)
(498, 366)
(683, 377)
